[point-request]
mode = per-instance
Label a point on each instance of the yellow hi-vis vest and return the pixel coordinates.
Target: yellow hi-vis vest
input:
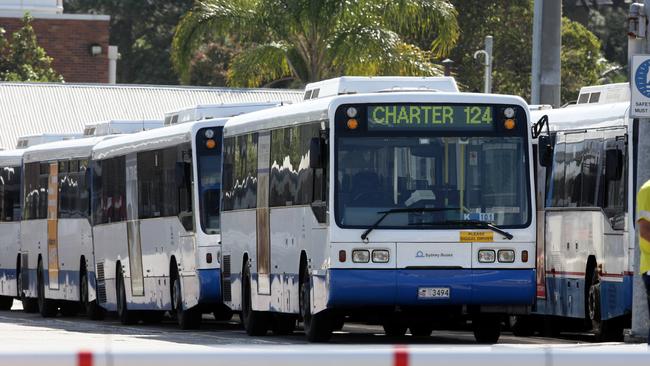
(643, 213)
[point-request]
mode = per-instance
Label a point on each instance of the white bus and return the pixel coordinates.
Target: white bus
(10, 212)
(586, 212)
(56, 264)
(159, 251)
(211, 111)
(116, 127)
(398, 201)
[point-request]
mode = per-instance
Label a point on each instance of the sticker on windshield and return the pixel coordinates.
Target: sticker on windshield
(482, 216)
(476, 236)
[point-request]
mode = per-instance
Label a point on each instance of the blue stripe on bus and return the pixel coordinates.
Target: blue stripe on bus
(210, 285)
(566, 297)
(359, 287)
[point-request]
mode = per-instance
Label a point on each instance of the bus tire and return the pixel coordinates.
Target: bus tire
(283, 324)
(394, 329)
(47, 307)
(255, 322)
(126, 316)
(92, 309)
(186, 318)
(6, 302)
(604, 330)
(487, 328)
(318, 327)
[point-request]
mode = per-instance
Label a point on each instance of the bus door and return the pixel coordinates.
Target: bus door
(133, 226)
(263, 220)
(52, 226)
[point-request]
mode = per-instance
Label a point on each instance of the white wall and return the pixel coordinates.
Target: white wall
(33, 6)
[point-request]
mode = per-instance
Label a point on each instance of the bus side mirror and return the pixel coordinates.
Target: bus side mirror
(315, 153)
(545, 150)
(613, 164)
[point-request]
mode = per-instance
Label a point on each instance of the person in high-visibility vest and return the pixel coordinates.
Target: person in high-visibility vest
(643, 223)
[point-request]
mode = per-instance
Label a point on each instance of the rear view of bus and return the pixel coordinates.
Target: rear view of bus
(417, 211)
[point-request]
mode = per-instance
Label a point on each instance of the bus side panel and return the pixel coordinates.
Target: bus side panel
(238, 238)
(292, 229)
(74, 241)
(9, 248)
(33, 242)
(110, 241)
(160, 239)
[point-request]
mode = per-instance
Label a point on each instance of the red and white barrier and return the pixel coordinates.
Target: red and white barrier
(341, 355)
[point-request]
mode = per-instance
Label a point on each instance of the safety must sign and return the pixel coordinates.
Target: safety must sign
(640, 85)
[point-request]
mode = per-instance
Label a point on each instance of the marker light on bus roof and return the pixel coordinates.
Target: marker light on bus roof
(209, 134)
(509, 112)
(353, 124)
(351, 112)
(210, 144)
(509, 124)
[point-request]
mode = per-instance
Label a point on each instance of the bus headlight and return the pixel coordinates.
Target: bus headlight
(360, 256)
(380, 256)
(506, 256)
(486, 256)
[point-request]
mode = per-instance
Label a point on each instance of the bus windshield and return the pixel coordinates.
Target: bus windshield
(209, 174)
(479, 178)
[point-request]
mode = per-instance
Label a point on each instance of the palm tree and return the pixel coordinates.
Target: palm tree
(310, 40)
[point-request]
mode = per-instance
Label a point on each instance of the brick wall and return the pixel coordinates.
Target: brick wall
(68, 41)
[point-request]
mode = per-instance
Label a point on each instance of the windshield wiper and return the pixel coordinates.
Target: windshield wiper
(476, 223)
(402, 210)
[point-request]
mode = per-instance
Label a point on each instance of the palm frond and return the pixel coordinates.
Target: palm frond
(424, 17)
(371, 51)
(260, 64)
(213, 17)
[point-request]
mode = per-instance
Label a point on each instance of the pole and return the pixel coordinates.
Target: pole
(113, 56)
(638, 43)
(488, 64)
(537, 48)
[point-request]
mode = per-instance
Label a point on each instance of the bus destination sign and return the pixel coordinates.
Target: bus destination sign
(406, 117)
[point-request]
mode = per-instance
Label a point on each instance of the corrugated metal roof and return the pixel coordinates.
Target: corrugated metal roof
(34, 108)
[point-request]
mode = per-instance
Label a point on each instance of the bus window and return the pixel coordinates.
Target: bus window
(10, 194)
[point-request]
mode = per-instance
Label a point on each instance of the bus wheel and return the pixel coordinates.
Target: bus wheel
(126, 316)
(187, 318)
(30, 305)
(283, 324)
(394, 329)
(421, 330)
(487, 329)
(254, 322)
(604, 330)
(93, 311)
(317, 326)
(46, 307)
(6, 302)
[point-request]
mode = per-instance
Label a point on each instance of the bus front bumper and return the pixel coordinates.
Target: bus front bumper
(400, 287)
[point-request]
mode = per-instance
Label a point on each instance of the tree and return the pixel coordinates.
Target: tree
(142, 30)
(309, 40)
(510, 23)
(23, 59)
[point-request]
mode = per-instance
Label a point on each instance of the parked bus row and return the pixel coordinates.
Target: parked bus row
(394, 201)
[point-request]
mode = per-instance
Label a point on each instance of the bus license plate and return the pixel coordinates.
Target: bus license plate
(433, 293)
